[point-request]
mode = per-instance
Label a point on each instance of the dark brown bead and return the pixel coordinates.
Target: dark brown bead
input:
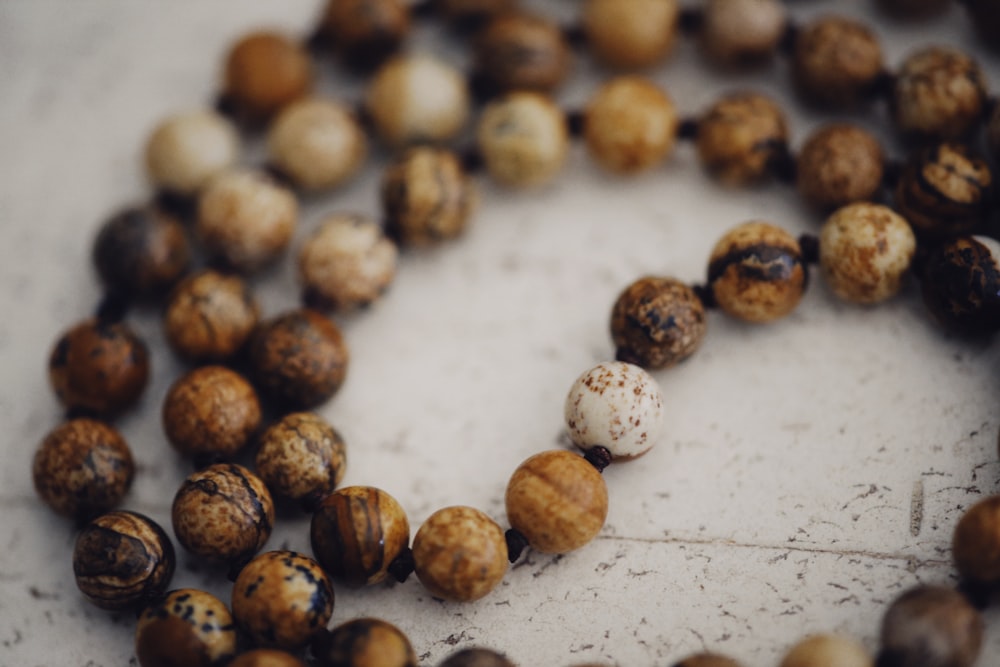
(938, 93)
(141, 252)
(357, 532)
(522, 52)
(365, 31)
(210, 316)
(298, 359)
(961, 285)
(99, 367)
(707, 660)
(476, 657)
(975, 545)
(985, 15)
(83, 468)
(122, 559)
(657, 322)
(836, 61)
(740, 137)
(266, 657)
(944, 190)
(264, 71)
(839, 164)
(301, 457)
(930, 626)
(188, 627)
(364, 642)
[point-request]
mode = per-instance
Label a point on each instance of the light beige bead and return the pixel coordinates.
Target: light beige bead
(740, 136)
(827, 651)
(188, 149)
(417, 99)
(317, 143)
(738, 32)
(246, 219)
(938, 93)
(346, 263)
(460, 554)
(630, 125)
(865, 250)
(630, 33)
(523, 139)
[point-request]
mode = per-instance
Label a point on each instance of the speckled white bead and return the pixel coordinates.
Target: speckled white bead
(187, 149)
(615, 405)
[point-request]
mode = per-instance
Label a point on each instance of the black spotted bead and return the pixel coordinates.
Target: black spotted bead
(281, 599)
(938, 93)
(944, 190)
(961, 284)
(657, 323)
(476, 657)
(302, 458)
(188, 627)
(930, 626)
(122, 559)
(364, 642)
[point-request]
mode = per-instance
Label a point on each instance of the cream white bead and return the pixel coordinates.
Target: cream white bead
(615, 405)
(188, 149)
(523, 139)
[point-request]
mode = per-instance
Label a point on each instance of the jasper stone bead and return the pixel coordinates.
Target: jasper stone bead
(520, 51)
(630, 34)
(266, 657)
(827, 650)
(364, 642)
(210, 316)
(836, 61)
(82, 468)
(264, 71)
(188, 627)
(460, 554)
(742, 32)
(756, 272)
(282, 599)
(523, 139)
(99, 367)
(223, 513)
(944, 190)
(839, 164)
(141, 252)
(122, 559)
(657, 322)
(364, 32)
(476, 657)
(557, 500)
(186, 150)
(302, 458)
(707, 660)
(630, 125)
(961, 284)
(930, 626)
(975, 544)
(740, 136)
(357, 532)
(938, 93)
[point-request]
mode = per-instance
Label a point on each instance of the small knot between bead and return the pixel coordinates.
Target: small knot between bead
(516, 544)
(403, 565)
(599, 457)
(809, 244)
(706, 295)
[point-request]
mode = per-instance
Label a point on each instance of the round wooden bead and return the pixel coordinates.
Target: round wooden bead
(282, 599)
(99, 367)
(985, 18)
(521, 51)
(245, 219)
(265, 71)
(211, 412)
(298, 359)
(657, 322)
(938, 93)
(839, 164)
(301, 457)
(223, 513)
(266, 657)
(827, 651)
(836, 61)
(742, 32)
(141, 251)
(210, 316)
(364, 642)
(346, 263)
(523, 139)
(417, 99)
(122, 559)
(975, 545)
(476, 657)
(188, 627)
(944, 190)
(460, 554)
(365, 31)
(473, 12)
(961, 284)
(864, 251)
(82, 468)
(930, 626)
(357, 532)
(557, 500)
(427, 196)
(630, 125)
(740, 136)
(317, 143)
(707, 660)
(630, 34)
(186, 150)
(756, 272)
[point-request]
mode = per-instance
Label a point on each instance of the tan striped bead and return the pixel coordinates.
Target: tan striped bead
(460, 554)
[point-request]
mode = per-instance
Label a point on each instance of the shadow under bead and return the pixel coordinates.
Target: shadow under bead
(302, 458)
(839, 164)
(188, 627)
(835, 62)
(264, 71)
(740, 137)
(944, 190)
(141, 252)
(210, 316)
(630, 34)
(960, 282)
(930, 626)
(365, 32)
(364, 642)
(476, 657)
(657, 323)
(522, 51)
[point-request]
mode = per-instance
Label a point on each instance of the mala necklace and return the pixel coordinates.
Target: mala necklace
(556, 501)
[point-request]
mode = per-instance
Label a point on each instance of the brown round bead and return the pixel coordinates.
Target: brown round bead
(836, 61)
(282, 599)
(557, 500)
(264, 71)
(756, 272)
(298, 359)
(839, 164)
(476, 657)
(186, 150)
(141, 251)
(427, 196)
(740, 136)
(473, 12)
(827, 650)
(82, 468)
(460, 554)
(188, 627)
(99, 367)
(301, 457)
(211, 412)
(357, 532)
(364, 642)
(365, 31)
(630, 125)
(630, 34)
(223, 513)
(266, 657)
(522, 52)
(122, 559)
(985, 16)
(523, 139)
(938, 93)
(210, 316)
(944, 190)
(742, 32)
(707, 660)
(975, 545)
(930, 626)
(657, 322)
(961, 284)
